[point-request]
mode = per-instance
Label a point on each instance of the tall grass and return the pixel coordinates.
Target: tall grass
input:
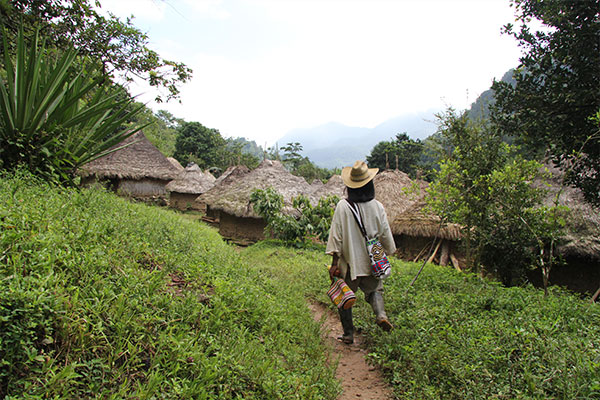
(102, 298)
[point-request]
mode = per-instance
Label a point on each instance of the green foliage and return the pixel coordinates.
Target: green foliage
(312, 222)
(316, 220)
(199, 144)
(266, 202)
(161, 128)
(121, 48)
(239, 151)
(486, 189)
(407, 151)
(52, 119)
(103, 298)
(300, 166)
(459, 337)
(556, 89)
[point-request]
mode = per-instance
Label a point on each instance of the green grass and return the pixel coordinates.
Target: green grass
(460, 337)
(102, 298)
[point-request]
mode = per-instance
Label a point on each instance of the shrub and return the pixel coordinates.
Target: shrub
(53, 119)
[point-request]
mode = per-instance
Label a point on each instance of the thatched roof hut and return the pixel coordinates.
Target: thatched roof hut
(580, 247)
(397, 192)
(334, 186)
(192, 180)
(414, 222)
(139, 170)
(236, 215)
(175, 163)
(230, 175)
(583, 223)
(234, 198)
(191, 183)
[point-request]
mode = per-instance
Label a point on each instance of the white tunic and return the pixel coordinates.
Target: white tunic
(346, 239)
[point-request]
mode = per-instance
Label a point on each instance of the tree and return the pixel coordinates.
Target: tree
(161, 128)
(405, 150)
(291, 155)
(557, 87)
(199, 144)
(483, 186)
(52, 118)
(121, 48)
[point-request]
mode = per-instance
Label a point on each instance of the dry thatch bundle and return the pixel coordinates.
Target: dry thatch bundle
(137, 161)
(192, 180)
(234, 198)
(582, 237)
(397, 192)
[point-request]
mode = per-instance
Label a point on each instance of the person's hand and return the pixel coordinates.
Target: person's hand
(334, 271)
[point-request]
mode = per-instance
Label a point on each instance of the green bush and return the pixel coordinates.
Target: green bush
(311, 222)
(54, 119)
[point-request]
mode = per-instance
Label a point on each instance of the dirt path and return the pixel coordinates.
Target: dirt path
(359, 380)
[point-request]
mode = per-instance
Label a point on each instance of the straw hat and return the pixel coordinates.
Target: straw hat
(358, 175)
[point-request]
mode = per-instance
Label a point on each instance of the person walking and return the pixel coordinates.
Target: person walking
(346, 244)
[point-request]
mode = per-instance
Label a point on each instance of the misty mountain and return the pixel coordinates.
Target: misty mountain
(336, 145)
(480, 108)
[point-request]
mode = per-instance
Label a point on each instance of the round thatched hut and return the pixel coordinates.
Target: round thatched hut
(237, 219)
(175, 163)
(231, 175)
(138, 170)
(334, 186)
(191, 183)
(419, 235)
(580, 247)
(397, 192)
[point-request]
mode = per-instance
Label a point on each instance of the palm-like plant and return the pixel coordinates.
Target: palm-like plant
(52, 119)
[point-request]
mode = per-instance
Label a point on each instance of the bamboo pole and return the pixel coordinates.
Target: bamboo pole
(430, 259)
(455, 262)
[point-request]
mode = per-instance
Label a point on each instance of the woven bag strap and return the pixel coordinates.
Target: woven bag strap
(357, 217)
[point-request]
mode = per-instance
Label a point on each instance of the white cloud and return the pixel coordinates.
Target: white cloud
(311, 62)
(212, 9)
(152, 10)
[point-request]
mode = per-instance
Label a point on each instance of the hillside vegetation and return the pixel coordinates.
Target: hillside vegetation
(103, 298)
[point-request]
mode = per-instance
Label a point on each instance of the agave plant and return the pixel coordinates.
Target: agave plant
(52, 119)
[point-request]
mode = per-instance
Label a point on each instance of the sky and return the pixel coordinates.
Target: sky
(264, 67)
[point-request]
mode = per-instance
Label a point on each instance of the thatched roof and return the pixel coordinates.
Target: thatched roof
(136, 161)
(397, 192)
(414, 222)
(234, 198)
(334, 186)
(192, 180)
(175, 163)
(583, 222)
(231, 174)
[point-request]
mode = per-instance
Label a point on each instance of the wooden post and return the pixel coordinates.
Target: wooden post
(387, 164)
(445, 255)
